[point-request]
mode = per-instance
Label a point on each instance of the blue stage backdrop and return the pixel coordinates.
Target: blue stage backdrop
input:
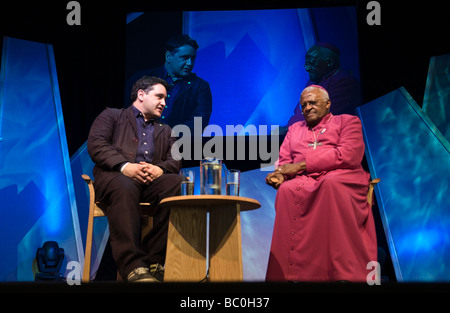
(37, 201)
(411, 157)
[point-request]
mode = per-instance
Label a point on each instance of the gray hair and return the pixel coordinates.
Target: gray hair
(322, 91)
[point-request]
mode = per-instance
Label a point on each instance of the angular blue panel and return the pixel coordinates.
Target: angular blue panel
(407, 152)
(36, 189)
(257, 225)
(81, 163)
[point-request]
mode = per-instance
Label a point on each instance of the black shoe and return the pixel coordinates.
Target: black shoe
(141, 275)
(157, 271)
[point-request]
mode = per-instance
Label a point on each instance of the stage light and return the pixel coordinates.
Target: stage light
(49, 259)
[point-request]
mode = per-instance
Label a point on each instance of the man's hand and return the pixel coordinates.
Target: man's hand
(143, 173)
(137, 172)
(291, 168)
(274, 179)
(153, 171)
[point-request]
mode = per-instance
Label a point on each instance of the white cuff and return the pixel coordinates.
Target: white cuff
(123, 166)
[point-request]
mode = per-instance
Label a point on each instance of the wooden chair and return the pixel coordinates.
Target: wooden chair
(95, 210)
(370, 192)
(373, 182)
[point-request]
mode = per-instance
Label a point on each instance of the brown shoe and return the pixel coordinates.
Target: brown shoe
(141, 275)
(157, 271)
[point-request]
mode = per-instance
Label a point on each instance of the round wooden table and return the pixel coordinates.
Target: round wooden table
(186, 242)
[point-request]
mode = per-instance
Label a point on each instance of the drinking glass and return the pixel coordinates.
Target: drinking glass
(187, 181)
(233, 182)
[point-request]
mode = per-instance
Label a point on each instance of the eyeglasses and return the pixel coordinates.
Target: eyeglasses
(312, 103)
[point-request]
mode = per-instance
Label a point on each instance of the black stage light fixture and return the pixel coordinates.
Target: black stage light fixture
(49, 259)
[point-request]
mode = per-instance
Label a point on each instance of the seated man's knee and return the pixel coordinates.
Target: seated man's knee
(175, 183)
(331, 181)
(123, 186)
(171, 184)
(286, 186)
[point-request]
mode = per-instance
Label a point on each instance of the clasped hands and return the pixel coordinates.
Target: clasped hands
(142, 172)
(277, 177)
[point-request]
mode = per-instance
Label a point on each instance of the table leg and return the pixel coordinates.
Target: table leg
(186, 245)
(225, 244)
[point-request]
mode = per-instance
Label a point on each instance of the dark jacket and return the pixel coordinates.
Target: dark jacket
(113, 140)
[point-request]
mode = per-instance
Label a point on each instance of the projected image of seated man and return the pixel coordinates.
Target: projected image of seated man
(324, 228)
(322, 62)
(188, 95)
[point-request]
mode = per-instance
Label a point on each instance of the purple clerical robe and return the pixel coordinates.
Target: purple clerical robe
(324, 228)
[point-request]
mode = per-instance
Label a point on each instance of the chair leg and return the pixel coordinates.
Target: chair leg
(146, 224)
(88, 251)
(370, 192)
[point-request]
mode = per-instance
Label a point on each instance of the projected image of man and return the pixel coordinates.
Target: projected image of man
(322, 62)
(188, 96)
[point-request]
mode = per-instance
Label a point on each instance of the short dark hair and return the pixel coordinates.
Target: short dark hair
(180, 40)
(146, 83)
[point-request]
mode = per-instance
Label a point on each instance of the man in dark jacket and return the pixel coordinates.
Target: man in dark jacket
(132, 153)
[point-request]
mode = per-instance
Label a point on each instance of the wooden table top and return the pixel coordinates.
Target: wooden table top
(211, 201)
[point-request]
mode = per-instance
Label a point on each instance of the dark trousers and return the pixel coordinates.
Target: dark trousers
(122, 196)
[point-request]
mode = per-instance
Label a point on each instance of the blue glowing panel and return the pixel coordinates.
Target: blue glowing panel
(36, 190)
(405, 151)
(81, 163)
(253, 61)
(257, 225)
(437, 94)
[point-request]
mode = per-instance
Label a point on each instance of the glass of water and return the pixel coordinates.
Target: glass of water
(233, 182)
(210, 176)
(187, 181)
